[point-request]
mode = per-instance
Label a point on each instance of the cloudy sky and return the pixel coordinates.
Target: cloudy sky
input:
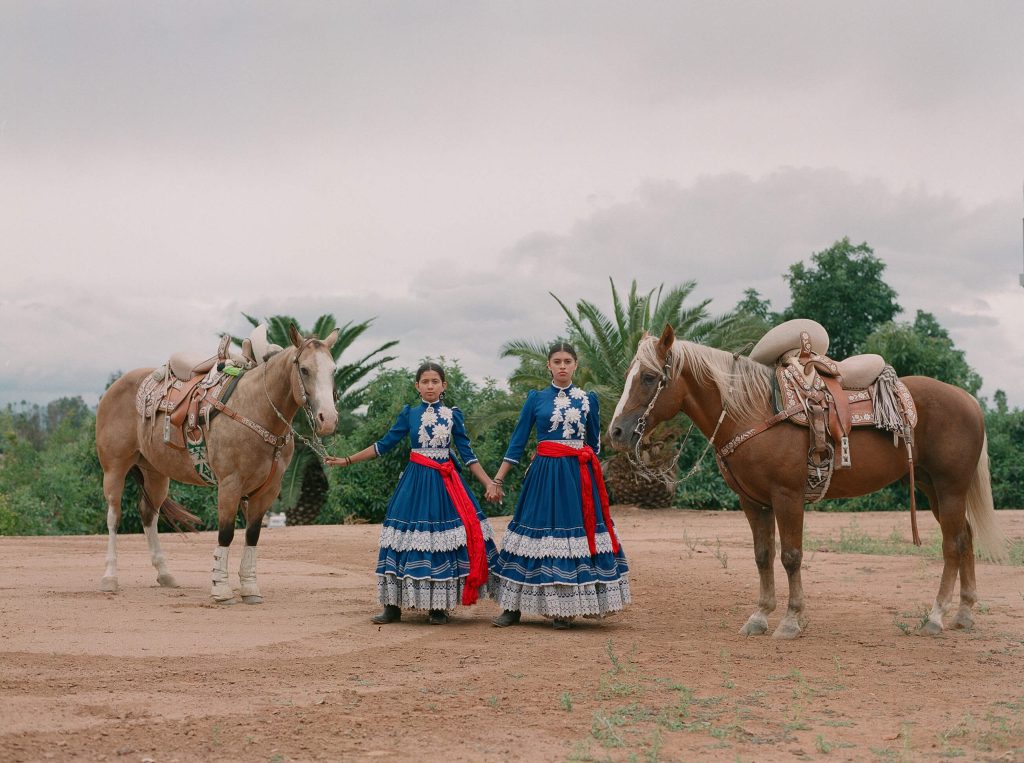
(442, 166)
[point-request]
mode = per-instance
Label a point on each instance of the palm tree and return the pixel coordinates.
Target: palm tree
(305, 484)
(606, 345)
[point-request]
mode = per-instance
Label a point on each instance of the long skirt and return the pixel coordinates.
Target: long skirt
(545, 566)
(423, 561)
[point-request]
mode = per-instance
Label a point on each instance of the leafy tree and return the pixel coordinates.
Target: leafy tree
(923, 348)
(1005, 429)
(305, 485)
(756, 308)
(843, 291)
(607, 343)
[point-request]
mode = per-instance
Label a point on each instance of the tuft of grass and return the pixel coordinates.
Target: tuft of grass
(566, 701)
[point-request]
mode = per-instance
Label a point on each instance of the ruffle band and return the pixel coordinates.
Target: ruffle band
(549, 546)
(425, 540)
(557, 600)
(412, 593)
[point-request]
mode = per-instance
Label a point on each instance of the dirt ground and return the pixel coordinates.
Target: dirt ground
(162, 675)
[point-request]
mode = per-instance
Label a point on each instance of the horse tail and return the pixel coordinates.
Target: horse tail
(180, 518)
(981, 513)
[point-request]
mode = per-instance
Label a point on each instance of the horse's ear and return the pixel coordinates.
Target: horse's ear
(332, 338)
(294, 335)
(666, 340)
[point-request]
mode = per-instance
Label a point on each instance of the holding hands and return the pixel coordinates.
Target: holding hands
(495, 493)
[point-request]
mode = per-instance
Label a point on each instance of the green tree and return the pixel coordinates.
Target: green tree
(842, 290)
(607, 343)
(922, 348)
(305, 485)
(1005, 429)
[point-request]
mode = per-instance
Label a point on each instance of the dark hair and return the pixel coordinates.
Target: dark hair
(429, 366)
(562, 347)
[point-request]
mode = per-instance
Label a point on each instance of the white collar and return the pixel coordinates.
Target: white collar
(562, 389)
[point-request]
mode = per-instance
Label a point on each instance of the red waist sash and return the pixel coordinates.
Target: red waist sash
(585, 454)
(467, 513)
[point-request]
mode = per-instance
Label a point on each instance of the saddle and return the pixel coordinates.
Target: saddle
(830, 398)
(186, 389)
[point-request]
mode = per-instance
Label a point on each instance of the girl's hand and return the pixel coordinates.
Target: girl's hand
(338, 461)
(494, 493)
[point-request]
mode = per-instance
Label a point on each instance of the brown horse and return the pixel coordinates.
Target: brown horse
(950, 456)
(248, 463)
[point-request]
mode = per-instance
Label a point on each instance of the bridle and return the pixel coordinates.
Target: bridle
(666, 475)
(313, 442)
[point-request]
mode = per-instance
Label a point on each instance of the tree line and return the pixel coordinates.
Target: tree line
(51, 481)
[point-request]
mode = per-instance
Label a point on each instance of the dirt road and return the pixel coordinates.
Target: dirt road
(152, 674)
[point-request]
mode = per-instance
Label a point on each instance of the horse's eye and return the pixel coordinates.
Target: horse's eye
(304, 371)
(648, 378)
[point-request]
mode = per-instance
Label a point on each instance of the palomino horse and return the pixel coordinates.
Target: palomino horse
(950, 454)
(249, 448)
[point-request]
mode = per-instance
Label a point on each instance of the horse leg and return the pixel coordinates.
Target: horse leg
(156, 487)
(762, 526)
(113, 488)
(254, 511)
(789, 512)
(227, 508)
(956, 545)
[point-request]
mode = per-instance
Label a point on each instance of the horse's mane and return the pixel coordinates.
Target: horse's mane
(745, 385)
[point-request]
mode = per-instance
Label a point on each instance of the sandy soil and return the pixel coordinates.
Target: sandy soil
(152, 674)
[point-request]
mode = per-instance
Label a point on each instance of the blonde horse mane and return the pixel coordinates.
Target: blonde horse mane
(745, 385)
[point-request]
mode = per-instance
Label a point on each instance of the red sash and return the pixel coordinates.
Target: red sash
(585, 454)
(467, 513)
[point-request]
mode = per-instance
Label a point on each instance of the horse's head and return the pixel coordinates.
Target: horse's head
(312, 379)
(645, 401)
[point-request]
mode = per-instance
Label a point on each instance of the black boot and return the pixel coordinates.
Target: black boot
(437, 617)
(391, 614)
(561, 623)
(506, 618)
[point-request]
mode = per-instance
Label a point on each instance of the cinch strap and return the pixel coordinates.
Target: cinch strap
(584, 455)
(467, 513)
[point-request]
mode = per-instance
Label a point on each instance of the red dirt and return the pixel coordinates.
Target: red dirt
(151, 674)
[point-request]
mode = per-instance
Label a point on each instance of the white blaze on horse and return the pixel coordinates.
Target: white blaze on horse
(828, 441)
(242, 444)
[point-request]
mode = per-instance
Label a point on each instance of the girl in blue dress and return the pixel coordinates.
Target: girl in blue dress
(436, 545)
(560, 557)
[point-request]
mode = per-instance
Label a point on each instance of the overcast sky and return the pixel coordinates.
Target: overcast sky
(442, 166)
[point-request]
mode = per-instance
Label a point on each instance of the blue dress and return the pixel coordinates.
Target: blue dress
(545, 566)
(423, 561)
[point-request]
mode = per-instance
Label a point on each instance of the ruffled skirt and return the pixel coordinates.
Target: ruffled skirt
(545, 566)
(423, 561)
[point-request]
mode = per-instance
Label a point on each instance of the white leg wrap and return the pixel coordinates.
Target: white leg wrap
(221, 590)
(109, 582)
(156, 555)
(247, 573)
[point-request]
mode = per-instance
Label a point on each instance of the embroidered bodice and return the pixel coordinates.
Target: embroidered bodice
(570, 415)
(433, 429)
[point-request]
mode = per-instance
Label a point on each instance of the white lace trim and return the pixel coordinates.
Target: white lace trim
(571, 418)
(576, 444)
(424, 540)
(435, 427)
(560, 600)
(550, 547)
(410, 593)
(438, 454)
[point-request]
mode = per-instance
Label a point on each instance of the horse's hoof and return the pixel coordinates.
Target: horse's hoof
(108, 585)
(930, 628)
(754, 628)
(787, 631)
(167, 581)
(232, 600)
(252, 599)
(963, 623)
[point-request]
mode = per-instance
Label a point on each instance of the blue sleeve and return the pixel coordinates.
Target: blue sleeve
(398, 431)
(461, 440)
(593, 433)
(517, 445)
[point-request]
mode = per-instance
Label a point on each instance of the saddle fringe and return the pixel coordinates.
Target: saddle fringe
(888, 409)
